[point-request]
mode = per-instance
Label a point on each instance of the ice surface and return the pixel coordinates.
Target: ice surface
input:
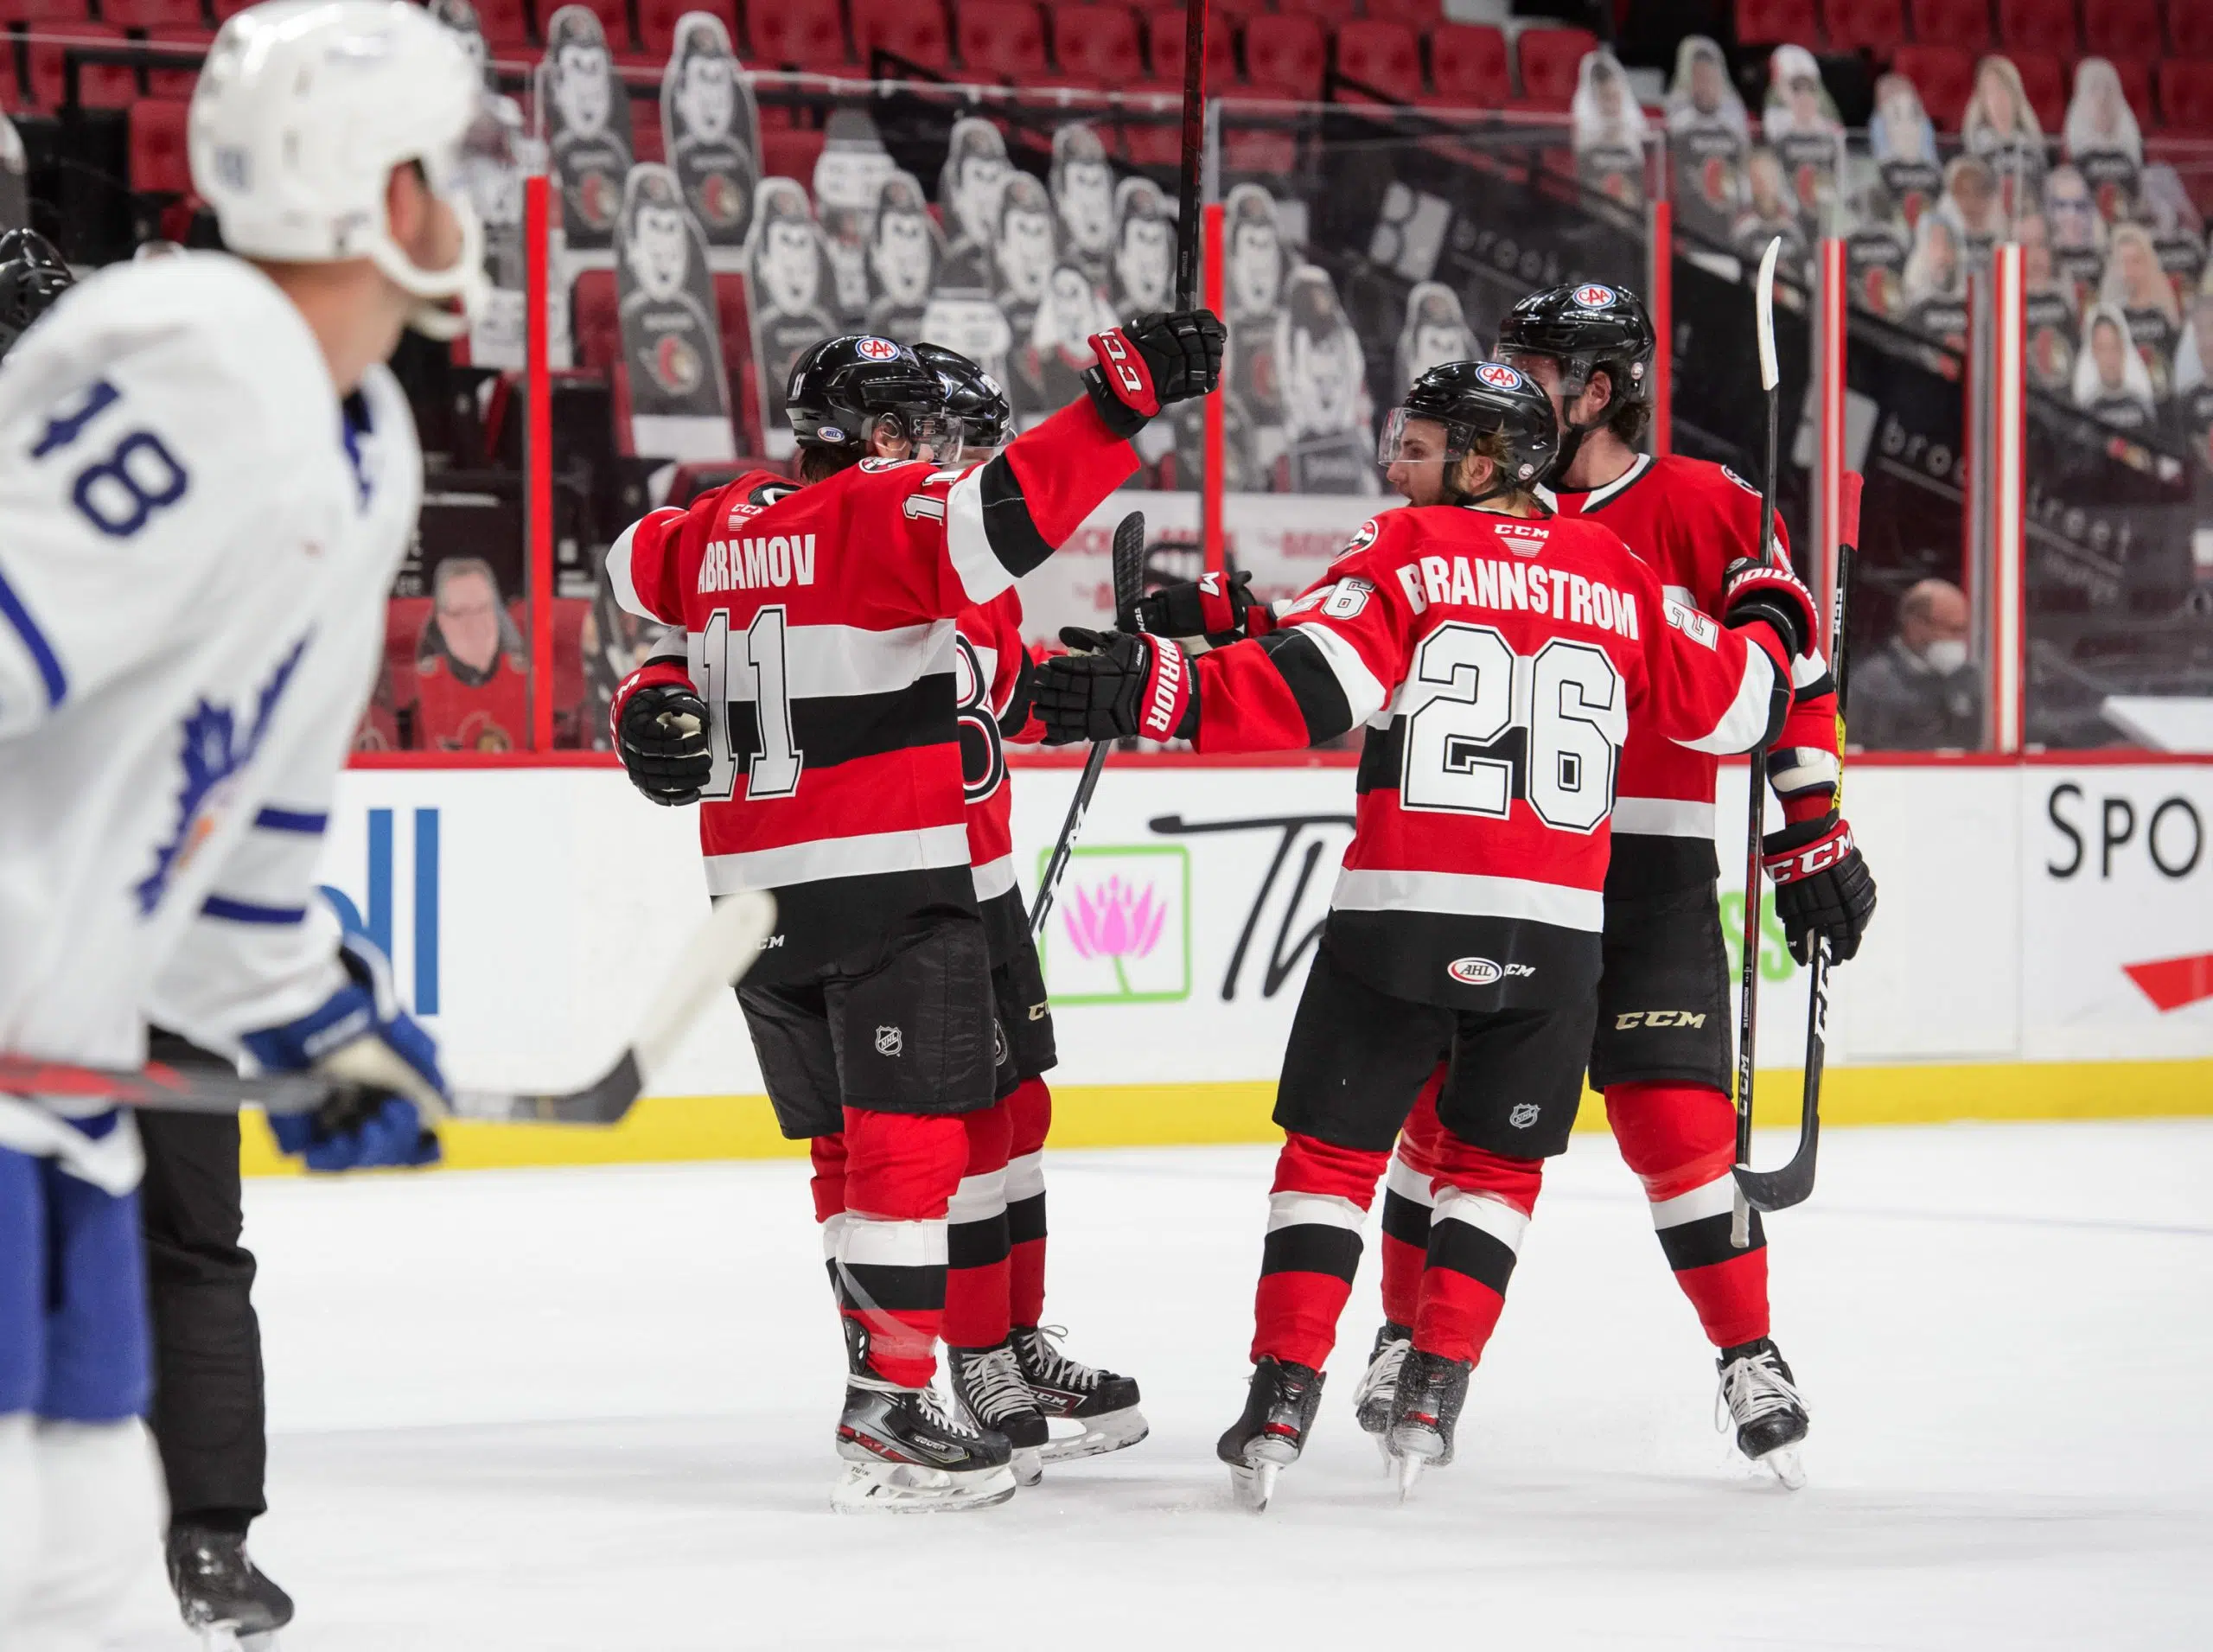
(591, 1409)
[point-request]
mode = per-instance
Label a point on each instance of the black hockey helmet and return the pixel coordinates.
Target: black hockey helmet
(1473, 400)
(843, 389)
(1584, 326)
(32, 277)
(972, 396)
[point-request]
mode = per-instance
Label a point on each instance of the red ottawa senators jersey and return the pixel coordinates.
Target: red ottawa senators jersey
(1689, 519)
(993, 679)
(818, 629)
(1499, 662)
(454, 714)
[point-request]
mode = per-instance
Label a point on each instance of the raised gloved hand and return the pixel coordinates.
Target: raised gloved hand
(661, 737)
(1822, 886)
(384, 1071)
(1219, 607)
(1753, 590)
(1113, 686)
(1153, 361)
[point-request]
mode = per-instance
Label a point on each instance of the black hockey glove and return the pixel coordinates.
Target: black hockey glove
(1767, 590)
(662, 740)
(1114, 686)
(1822, 886)
(1219, 607)
(1153, 361)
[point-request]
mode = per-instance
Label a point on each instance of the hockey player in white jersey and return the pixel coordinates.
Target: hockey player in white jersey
(207, 478)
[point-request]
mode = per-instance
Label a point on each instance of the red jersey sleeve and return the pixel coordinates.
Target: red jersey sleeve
(641, 564)
(1339, 652)
(1707, 687)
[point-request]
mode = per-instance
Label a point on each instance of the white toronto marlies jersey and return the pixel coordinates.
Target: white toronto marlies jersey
(196, 542)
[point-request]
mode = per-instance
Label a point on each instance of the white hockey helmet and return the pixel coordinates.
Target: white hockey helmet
(302, 110)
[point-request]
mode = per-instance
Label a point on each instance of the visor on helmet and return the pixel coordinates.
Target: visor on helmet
(1410, 437)
(480, 162)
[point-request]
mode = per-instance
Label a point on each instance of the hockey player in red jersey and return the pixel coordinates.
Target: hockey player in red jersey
(813, 714)
(1498, 658)
(1662, 1052)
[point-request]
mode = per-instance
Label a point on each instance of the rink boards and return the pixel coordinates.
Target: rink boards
(2043, 945)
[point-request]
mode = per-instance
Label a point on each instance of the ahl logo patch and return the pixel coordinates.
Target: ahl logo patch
(1474, 972)
(1592, 296)
(876, 349)
(890, 1041)
(1524, 1116)
(1498, 375)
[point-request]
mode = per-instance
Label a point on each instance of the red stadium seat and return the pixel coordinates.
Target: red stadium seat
(1963, 23)
(1325, 12)
(2186, 96)
(225, 10)
(151, 14)
(2119, 28)
(1467, 65)
(1097, 45)
(2189, 29)
(1164, 37)
(595, 319)
(1288, 53)
(41, 14)
(505, 25)
(791, 153)
(2037, 26)
(914, 29)
(1420, 15)
(1777, 22)
(614, 19)
(99, 85)
(2136, 87)
(1944, 75)
(1550, 60)
(1003, 39)
(646, 141)
(1386, 56)
(178, 79)
(2043, 77)
(159, 164)
(798, 34)
(1873, 25)
(1256, 151)
(657, 20)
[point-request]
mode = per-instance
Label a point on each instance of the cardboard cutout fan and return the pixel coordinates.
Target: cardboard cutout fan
(587, 115)
(671, 339)
(711, 129)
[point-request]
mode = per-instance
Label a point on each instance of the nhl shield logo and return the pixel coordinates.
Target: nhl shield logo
(890, 1041)
(999, 1053)
(1592, 296)
(1524, 1116)
(876, 349)
(1499, 376)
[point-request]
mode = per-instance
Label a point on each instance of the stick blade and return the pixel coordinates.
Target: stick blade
(1129, 568)
(1768, 1191)
(1764, 298)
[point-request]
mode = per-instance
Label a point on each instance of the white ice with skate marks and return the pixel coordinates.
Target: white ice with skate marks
(593, 1409)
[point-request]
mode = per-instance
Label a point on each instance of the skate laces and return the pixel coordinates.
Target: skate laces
(1383, 1370)
(927, 1399)
(1753, 1386)
(995, 1386)
(1055, 1368)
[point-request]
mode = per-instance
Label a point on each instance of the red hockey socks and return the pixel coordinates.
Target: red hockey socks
(1407, 1202)
(828, 1185)
(901, 1170)
(976, 1237)
(1681, 1140)
(1316, 1210)
(1484, 1204)
(1029, 1113)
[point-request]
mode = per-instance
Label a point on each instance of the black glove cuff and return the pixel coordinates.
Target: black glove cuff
(1788, 623)
(1117, 415)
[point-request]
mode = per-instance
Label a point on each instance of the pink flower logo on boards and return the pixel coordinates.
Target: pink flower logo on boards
(1114, 919)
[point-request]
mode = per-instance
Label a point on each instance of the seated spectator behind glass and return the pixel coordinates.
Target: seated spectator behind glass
(1922, 692)
(2193, 378)
(2049, 310)
(1903, 143)
(1876, 240)
(1708, 130)
(2000, 126)
(2137, 287)
(2104, 139)
(1771, 211)
(472, 679)
(1608, 130)
(2078, 234)
(1935, 286)
(2110, 378)
(2164, 208)
(1973, 203)
(1801, 124)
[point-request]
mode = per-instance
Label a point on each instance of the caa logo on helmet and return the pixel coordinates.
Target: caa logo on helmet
(1474, 972)
(830, 433)
(1499, 376)
(1592, 296)
(876, 349)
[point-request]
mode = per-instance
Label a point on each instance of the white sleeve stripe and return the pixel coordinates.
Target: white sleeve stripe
(1361, 691)
(620, 575)
(982, 575)
(1807, 668)
(1293, 1210)
(1745, 724)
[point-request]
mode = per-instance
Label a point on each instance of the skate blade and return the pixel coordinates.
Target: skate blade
(1254, 1484)
(1784, 1464)
(228, 1637)
(1382, 1439)
(1116, 1431)
(908, 1488)
(1029, 1465)
(1410, 1466)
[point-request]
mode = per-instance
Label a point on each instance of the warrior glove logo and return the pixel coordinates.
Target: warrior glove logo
(1499, 376)
(1592, 296)
(890, 1042)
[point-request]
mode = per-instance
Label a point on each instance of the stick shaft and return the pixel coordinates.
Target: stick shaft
(1071, 828)
(1194, 154)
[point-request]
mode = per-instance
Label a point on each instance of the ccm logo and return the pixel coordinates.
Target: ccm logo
(1117, 352)
(1658, 1018)
(1822, 856)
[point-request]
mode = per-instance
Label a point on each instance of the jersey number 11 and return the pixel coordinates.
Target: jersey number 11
(754, 661)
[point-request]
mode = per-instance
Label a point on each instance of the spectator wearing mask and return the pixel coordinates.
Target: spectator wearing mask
(1922, 692)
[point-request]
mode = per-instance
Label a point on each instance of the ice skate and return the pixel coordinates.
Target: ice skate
(1103, 1404)
(1372, 1400)
(905, 1452)
(1760, 1397)
(222, 1595)
(1424, 1409)
(987, 1382)
(1272, 1432)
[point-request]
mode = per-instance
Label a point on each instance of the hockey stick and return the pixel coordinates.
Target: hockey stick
(1794, 1183)
(1748, 1008)
(1195, 143)
(720, 952)
(1129, 583)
